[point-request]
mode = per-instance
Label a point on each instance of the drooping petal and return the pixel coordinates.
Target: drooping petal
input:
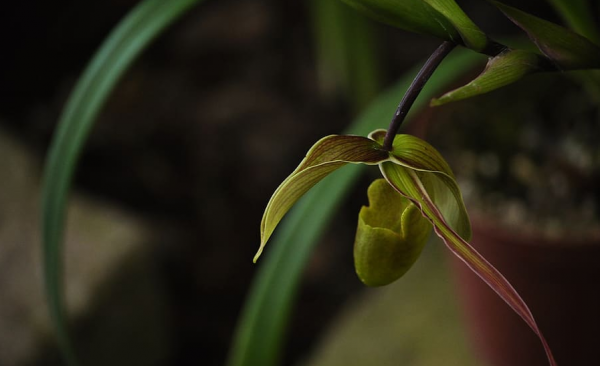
(390, 236)
(569, 50)
(504, 69)
(409, 183)
(327, 155)
(414, 153)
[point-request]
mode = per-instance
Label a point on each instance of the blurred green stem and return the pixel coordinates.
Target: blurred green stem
(126, 41)
(347, 54)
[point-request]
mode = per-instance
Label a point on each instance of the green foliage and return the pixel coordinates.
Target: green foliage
(562, 48)
(579, 15)
(419, 190)
(471, 35)
(415, 187)
(408, 153)
(347, 52)
(411, 153)
(568, 50)
(383, 251)
(506, 68)
(260, 330)
(333, 152)
(146, 21)
(440, 18)
(412, 15)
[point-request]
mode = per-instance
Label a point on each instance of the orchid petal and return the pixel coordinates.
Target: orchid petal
(326, 156)
(409, 183)
(390, 237)
(416, 154)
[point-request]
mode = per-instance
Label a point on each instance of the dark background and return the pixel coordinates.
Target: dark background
(195, 138)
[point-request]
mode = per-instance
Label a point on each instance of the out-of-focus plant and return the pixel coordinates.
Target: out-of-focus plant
(390, 232)
(127, 40)
(418, 191)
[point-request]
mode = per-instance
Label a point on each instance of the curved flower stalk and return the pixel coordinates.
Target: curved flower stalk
(419, 193)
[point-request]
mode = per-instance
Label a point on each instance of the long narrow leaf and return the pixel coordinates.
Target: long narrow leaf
(347, 52)
(504, 69)
(127, 40)
(472, 36)
(407, 182)
(580, 17)
(567, 49)
(261, 326)
(412, 15)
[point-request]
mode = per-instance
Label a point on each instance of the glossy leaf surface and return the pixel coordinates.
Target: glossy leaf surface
(504, 69)
(567, 49)
(327, 155)
(390, 237)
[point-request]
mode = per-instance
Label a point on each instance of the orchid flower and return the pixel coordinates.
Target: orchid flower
(419, 192)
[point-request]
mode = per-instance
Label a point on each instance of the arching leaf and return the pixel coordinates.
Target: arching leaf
(409, 183)
(327, 155)
(412, 15)
(567, 49)
(504, 69)
(126, 41)
(578, 14)
(472, 36)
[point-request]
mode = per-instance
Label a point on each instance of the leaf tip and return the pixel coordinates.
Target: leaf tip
(436, 102)
(259, 252)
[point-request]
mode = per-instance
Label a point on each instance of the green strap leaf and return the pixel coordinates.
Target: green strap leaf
(567, 49)
(504, 69)
(440, 18)
(412, 15)
(348, 56)
(326, 156)
(390, 237)
(147, 20)
(410, 184)
(579, 16)
(470, 33)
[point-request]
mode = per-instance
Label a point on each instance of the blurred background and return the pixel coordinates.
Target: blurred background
(168, 197)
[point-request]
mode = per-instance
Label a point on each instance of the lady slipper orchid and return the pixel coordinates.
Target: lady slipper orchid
(419, 192)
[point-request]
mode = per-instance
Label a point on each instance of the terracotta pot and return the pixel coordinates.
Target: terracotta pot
(560, 281)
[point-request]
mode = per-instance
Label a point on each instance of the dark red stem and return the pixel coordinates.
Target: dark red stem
(415, 88)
